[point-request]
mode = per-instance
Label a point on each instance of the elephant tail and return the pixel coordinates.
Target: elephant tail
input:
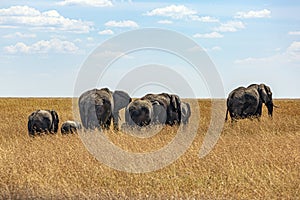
(226, 118)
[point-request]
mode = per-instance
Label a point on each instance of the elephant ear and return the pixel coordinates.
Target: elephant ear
(127, 115)
(55, 121)
(188, 109)
(263, 93)
(176, 103)
(121, 100)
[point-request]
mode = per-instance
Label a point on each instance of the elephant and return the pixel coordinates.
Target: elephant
(247, 102)
(70, 127)
(98, 106)
(43, 121)
(166, 108)
(139, 112)
(185, 112)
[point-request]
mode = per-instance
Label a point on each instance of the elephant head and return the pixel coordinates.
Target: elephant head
(139, 112)
(266, 97)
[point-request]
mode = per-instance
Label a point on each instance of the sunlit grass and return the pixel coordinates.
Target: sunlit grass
(252, 159)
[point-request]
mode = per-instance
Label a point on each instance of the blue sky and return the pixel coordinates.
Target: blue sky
(45, 43)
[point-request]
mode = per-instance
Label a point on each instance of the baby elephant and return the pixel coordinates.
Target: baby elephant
(43, 121)
(70, 127)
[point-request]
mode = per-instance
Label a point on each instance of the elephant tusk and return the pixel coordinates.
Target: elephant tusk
(276, 106)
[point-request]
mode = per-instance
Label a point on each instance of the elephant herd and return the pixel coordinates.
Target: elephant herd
(98, 107)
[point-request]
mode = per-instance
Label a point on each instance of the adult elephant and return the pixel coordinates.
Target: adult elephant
(166, 108)
(70, 127)
(185, 112)
(43, 121)
(247, 102)
(98, 106)
(139, 112)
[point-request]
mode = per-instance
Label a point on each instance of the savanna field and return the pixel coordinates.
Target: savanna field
(251, 160)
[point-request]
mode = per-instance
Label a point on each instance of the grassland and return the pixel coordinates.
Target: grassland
(252, 159)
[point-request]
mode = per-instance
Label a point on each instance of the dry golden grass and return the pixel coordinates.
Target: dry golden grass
(252, 159)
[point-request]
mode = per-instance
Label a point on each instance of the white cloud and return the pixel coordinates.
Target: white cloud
(293, 51)
(48, 20)
(106, 32)
(216, 48)
(208, 35)
(93, 3)
(165, 22)
(122, 24)
(90, 39)
(265, 13)
(179, 12)
(173, 11)
(294, 33)
(19, 47)
(19, 35)
(291, 55)
(231, 26)
(251, 60)
(19, 11)
(203, 19)
(43, 46)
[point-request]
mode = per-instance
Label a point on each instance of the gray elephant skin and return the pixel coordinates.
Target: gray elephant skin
(139, 112)
(166, 108)
(247, 102)
(155, 109)
(185, 112)
(43, 121)
(98, 106)
(70, 127)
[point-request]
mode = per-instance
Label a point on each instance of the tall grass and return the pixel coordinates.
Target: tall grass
(252, 159)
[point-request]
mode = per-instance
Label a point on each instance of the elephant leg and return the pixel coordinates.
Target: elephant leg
(259, 109)
(106, 124)
(31, 133)
(232, 116)
(116, 121)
